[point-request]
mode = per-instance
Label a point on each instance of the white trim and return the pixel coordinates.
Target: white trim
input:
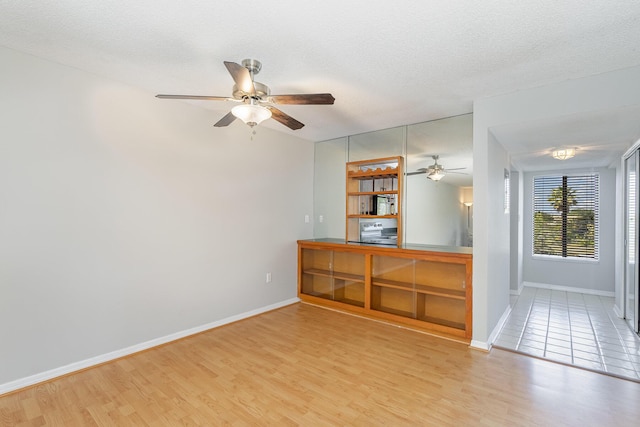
(107, 357)
(518, 291)
(486, 346)
(570, 289)
(479, 345)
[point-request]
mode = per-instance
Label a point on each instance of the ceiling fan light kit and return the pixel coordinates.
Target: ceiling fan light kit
(436, 175)
(563, 154)
(251, 114)
(257, 103)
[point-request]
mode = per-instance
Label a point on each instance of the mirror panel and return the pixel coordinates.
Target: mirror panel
(329, 192)
(434, 212)
(378, 144)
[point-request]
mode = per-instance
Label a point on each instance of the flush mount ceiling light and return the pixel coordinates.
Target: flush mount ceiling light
(252, 114)
(563, 154)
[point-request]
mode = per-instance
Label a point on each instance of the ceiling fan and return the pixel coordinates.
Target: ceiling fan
(255, 102)
(436, 171)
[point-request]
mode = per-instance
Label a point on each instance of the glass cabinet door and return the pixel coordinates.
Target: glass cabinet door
(333, 275)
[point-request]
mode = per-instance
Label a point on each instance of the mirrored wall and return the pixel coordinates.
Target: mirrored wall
(435, 212)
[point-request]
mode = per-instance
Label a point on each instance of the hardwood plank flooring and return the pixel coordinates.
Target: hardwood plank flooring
(304, 365)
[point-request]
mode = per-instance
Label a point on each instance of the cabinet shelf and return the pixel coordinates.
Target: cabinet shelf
(443, 322)
(335, 274)
(394, 311)
(371, 193)
(371, 216)
(421, 289)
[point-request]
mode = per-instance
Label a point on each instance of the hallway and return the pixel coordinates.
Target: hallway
(571, 328)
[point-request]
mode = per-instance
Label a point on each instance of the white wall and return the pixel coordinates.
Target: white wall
(600, 92)
(586, 275)
(124, 218)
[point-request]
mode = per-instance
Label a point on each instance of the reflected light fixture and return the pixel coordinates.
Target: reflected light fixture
(468, 205)
(436, 175)
(563, 154)
(252, 114)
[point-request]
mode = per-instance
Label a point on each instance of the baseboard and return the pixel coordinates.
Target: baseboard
(518, 291)
(570, 289)
(486, 346)
(617, 311)
(480, 345)
(108, 357)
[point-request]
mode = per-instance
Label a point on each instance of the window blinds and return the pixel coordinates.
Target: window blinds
(565, 216)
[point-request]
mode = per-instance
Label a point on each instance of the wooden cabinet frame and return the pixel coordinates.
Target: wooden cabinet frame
(429, 290)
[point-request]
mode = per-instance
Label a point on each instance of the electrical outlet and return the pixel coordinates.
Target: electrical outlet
(321, 218)
(268, 279)
(306, 219)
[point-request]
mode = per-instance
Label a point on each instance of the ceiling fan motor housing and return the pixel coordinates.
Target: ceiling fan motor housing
(262, 91)
(253, 65)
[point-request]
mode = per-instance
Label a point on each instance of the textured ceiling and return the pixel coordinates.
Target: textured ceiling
(387, 63)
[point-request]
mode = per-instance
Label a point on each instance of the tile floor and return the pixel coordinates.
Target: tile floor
(572, 328)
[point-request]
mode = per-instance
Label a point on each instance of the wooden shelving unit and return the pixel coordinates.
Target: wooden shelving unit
(370, 182)
(424, 289)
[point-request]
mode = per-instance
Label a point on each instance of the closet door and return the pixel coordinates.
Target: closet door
(631, 241)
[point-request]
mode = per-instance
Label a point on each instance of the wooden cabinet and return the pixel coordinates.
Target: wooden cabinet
(374, 200)
(424, 287)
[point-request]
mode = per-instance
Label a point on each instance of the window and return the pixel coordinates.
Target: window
(507, 191)
(565, 216)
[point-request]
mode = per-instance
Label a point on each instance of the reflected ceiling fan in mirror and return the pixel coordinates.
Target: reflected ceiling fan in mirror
(436, 171)
(255, 102)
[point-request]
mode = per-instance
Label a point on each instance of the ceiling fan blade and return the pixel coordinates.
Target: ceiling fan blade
(226, 120)
(418, 172)
(285, 119)
(242, 77)
(453, 169)
(307, 99)
(197, 97)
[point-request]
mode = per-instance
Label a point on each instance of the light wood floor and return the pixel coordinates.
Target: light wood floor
(304, 365)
